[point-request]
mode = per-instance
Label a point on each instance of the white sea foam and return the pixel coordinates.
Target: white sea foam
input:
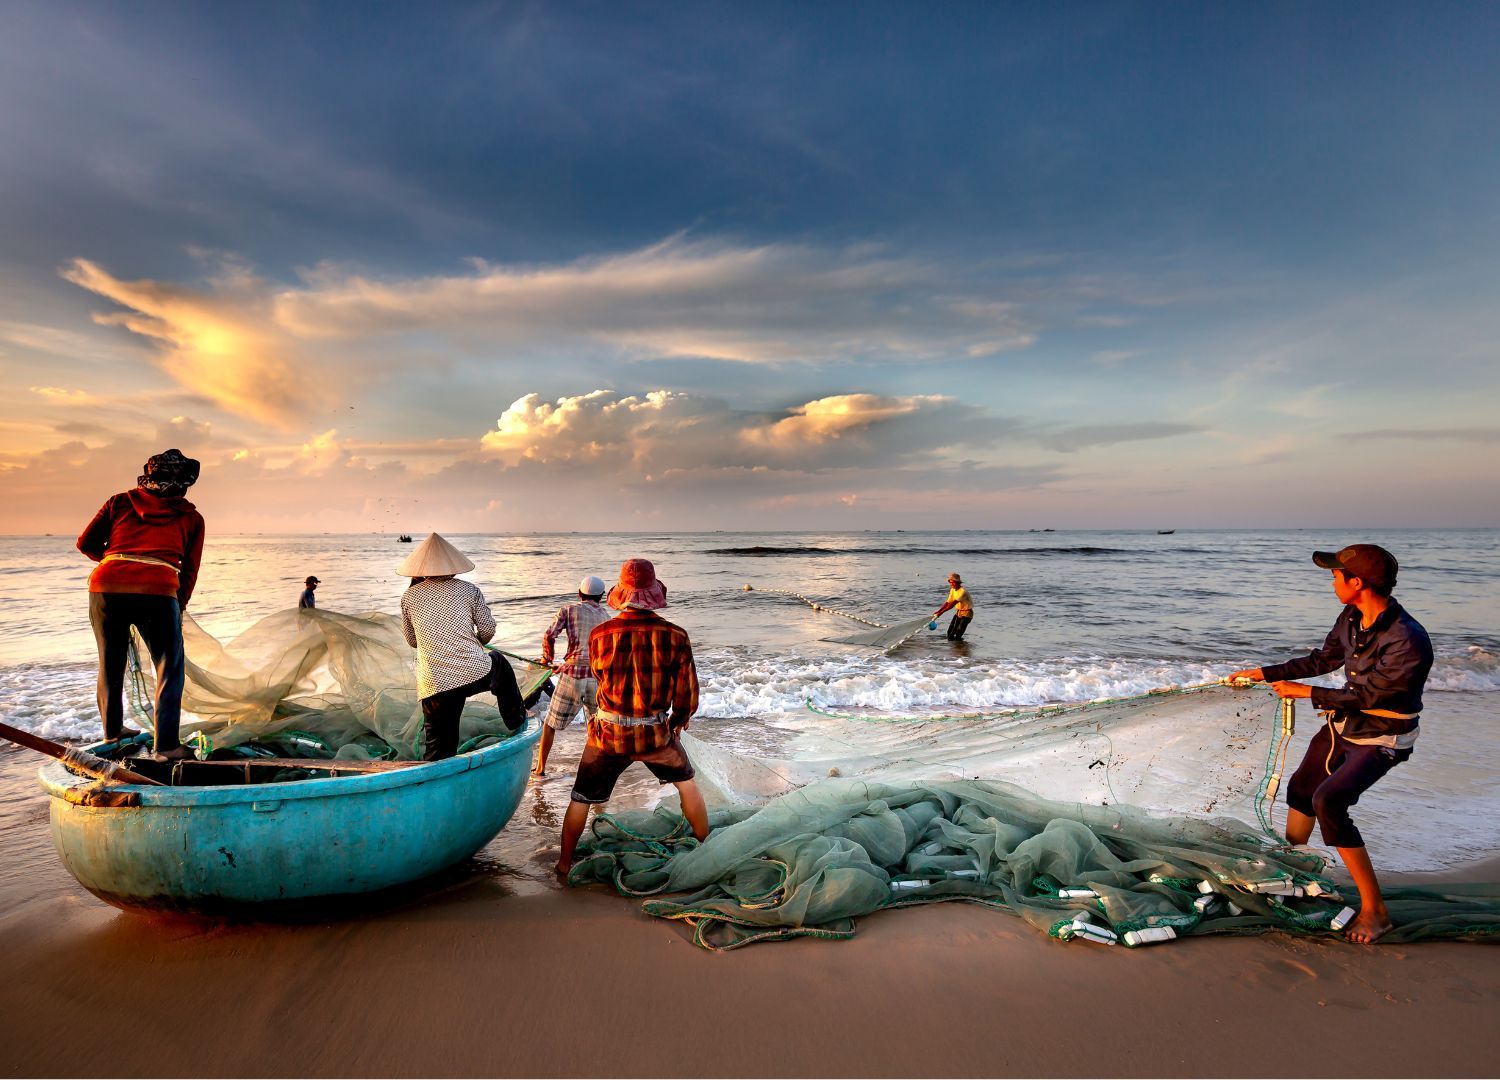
(740, 686)
(55, 701)
(1474, 670)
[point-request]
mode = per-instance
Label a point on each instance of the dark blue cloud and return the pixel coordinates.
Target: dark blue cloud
(407, 136)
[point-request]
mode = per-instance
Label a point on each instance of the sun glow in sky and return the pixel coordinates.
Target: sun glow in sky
(679, 266)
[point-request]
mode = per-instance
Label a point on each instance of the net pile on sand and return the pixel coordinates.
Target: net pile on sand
(315, 683)
(809, 862)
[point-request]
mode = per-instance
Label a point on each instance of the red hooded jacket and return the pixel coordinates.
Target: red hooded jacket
(137, 522)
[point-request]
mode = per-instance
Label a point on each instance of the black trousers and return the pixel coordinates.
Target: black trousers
(957, 627)
(159, 619)
(1333, 775)
(441, 711)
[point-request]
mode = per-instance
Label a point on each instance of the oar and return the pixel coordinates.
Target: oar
(347, 765)
(82, 760)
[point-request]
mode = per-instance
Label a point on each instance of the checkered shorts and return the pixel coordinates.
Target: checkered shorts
(571, 695)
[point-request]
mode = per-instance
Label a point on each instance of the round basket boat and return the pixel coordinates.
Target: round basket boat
(222, 849)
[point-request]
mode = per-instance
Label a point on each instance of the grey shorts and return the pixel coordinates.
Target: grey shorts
(571, 695)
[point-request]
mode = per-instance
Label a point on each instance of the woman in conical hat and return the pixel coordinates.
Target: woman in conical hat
(434, 557)
(448, 622)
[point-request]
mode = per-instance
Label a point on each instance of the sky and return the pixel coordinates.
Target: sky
(506, 267)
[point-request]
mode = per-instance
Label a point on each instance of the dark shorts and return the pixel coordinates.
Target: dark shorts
(598, 770)
(1333, 775)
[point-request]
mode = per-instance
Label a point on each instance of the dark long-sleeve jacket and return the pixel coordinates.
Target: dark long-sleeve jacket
(136, 525)
(1386, 667)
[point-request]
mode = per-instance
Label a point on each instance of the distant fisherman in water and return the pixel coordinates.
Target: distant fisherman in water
(576, 686)
(148, 543)
(963, 608)
(1371, 722)
(308, 600)
(448, 623)
(648, 690)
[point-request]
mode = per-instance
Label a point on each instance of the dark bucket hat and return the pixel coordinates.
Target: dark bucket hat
(168, 473)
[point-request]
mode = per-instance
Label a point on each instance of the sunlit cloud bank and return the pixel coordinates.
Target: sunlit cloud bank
(677, 457)
(789, 388)
(269, 352)
(662, 431)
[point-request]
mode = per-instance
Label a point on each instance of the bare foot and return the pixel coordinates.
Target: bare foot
(1368, 929)
(538, 774)
(561, 871)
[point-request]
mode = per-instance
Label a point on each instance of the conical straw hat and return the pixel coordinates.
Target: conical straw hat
(434, 557)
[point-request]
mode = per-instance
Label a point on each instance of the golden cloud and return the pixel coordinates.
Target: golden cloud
(830, 418)
(220, 344)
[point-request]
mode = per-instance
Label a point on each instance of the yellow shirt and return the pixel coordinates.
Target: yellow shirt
(959, 598)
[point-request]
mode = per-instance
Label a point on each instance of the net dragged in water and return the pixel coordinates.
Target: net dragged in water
(809, 862)
(317, 683)
(888, 638)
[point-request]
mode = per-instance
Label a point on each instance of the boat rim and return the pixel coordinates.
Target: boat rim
(57, 780)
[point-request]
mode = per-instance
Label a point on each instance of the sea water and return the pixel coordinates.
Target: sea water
(1060, 617)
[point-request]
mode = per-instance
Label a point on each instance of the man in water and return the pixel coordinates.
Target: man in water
(1371, 722)
(963, 608)
(308, 600)
(148, 543)
(576, 686)
(648, 690)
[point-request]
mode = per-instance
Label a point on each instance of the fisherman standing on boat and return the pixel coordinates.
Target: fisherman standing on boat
(576, 686)
(648, 690)
(448, 622)
(308, 600)
(148, 543)
(963, 608)
(1371, 722)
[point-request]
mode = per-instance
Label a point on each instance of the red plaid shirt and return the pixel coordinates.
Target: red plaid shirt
(644, 665)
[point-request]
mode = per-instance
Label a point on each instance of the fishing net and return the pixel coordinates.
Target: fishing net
(1127, 823)
(880, 637)
(316, 683)
(808, 862)
(887, 637)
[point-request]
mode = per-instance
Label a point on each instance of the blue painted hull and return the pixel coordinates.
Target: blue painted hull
(216, 849)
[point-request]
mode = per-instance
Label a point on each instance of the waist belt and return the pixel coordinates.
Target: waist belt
(147, 559)
(1404, 741)
(630, 721)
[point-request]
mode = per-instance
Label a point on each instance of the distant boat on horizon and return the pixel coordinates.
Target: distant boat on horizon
(1165, 532)
(403, 539)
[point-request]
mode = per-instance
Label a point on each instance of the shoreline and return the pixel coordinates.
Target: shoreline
(494, 970)
(483, 980)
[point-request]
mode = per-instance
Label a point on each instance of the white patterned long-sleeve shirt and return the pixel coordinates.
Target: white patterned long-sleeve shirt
(447, 621)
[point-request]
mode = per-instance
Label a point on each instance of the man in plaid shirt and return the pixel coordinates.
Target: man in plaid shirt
(648, 690)
(576, 687)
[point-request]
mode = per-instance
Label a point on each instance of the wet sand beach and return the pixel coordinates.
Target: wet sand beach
(494, 971)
